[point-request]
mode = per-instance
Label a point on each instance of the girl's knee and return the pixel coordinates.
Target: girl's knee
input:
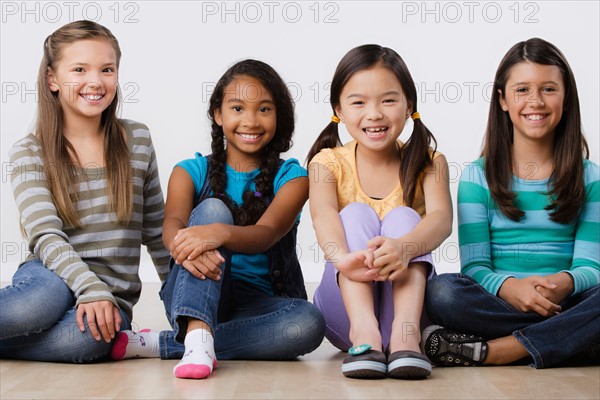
(306, 328)
(360, 211)
(210, 211)
(442, 292)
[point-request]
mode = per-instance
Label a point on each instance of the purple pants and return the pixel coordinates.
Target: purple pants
(361, 223)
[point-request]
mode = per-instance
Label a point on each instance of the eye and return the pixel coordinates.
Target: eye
(264, 109)
(108, 69)
(78, 69)
(357, 103)
(548, 89)
(390, 101)
(522, 89)
(236, 108)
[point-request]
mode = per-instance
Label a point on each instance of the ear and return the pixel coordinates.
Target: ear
(338, 112)
(502, 101)
(51, 81)
(218, 117)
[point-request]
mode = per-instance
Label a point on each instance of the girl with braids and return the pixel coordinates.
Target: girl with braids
(379, 207)
(529, 226)
(235, 290)
(87, 187)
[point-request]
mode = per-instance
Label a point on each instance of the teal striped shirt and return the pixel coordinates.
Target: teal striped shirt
(494, 248)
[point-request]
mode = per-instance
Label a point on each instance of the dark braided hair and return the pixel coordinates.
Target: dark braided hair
(253, 206)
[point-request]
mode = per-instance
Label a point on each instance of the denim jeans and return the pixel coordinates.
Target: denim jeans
(37, 320)
(361, 223)
(260, 326)
(459, 303)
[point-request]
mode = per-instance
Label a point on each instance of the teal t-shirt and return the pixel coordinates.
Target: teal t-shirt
(251, 268)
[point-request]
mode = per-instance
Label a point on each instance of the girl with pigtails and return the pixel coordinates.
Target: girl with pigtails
(379, 207)
(235, 289)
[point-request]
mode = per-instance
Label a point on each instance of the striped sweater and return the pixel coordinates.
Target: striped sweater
(494, 247)
(99, 260)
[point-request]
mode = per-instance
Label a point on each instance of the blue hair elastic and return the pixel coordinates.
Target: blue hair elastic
(258, 194)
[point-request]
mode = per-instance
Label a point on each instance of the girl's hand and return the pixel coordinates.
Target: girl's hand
(206, 265)
(103, 318)
(190, 242)
(564, 287)
(523, 295)
(391, 257)
(355, 266)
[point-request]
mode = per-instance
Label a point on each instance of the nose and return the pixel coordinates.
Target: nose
(373, 113)
(250, 120)
(536, 98)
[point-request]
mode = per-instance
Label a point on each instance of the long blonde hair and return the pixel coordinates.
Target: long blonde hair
(59, 165)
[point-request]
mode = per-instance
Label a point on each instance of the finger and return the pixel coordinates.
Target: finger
(91, 320)
(543, 282)
(369, 259)
(101, 321)
(376, 242)
(110, 327)
(191, 268)
(79, 317)
(213, 262)
(117, 318)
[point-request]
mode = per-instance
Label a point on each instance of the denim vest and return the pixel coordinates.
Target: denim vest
(284, 267)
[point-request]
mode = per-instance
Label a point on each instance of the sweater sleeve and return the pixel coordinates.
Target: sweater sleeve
(43, 227)
(585, 267)
(154, 207)
(474, 203)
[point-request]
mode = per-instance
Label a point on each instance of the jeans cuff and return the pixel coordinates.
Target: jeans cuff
(538, 362)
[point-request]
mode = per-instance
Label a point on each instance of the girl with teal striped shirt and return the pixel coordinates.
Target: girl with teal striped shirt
(528, 213)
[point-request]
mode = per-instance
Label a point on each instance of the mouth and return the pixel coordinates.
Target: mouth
(249, 137)
(376, 132)
(535, 117)
(92, 98)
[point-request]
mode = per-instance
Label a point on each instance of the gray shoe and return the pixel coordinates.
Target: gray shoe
(451, 349)
(371, 364)
(408, 365)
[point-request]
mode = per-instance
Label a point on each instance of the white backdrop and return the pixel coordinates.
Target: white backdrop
(174, 52)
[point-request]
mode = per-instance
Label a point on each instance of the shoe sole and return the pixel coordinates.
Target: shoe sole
(364, 370)
(409, 368)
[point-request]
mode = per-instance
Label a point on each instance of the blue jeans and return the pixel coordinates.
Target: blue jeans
(260, 326)
(37, 320)
(459, 303)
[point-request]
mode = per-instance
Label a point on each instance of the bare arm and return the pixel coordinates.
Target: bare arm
(188, 243)
(328, 226)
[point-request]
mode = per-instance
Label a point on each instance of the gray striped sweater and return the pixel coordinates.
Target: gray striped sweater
(99, 260)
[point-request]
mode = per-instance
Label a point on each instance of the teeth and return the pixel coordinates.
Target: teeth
(375, 130)
(535, 117)
(249, 137)
(92, 96)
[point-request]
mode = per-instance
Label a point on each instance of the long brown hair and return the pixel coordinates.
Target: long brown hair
(59, 155)
(568, 191)
(414, 155)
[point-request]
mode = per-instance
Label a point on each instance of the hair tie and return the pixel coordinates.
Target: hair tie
(335, 119)
(415, 115)
(258, 194)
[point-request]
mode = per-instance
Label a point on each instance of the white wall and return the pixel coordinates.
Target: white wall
(173, 52)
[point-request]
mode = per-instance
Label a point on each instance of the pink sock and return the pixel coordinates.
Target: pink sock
(199, 358)
(130, 344)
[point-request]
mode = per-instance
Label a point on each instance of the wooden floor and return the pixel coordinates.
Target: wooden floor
(314, 376)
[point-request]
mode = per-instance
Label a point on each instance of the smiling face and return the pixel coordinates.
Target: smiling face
(534, 99)
(249, 120)
(85, 78)
(374, 108)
